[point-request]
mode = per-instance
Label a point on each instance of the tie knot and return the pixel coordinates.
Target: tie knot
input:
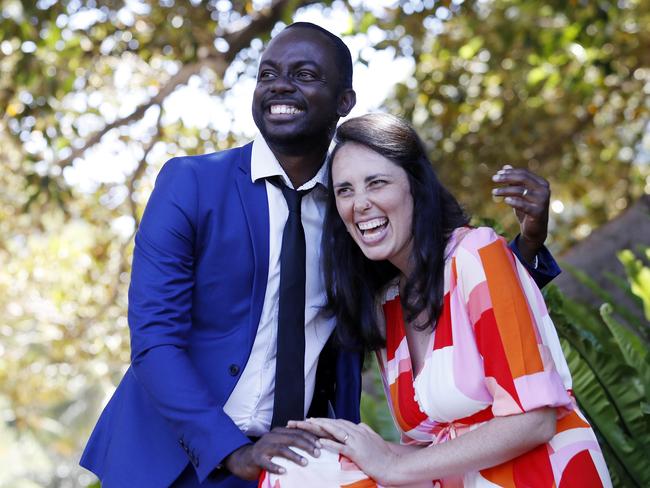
(292, 197)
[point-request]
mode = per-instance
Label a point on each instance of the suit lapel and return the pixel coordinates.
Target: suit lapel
(256, 209)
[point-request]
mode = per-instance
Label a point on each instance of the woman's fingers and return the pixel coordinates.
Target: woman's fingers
(340, 423)
(340, 430)
(309, 427)
(335, 429)
(336, 447)
(366, 427)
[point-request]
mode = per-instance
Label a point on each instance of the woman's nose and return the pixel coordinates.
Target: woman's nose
(361, 203)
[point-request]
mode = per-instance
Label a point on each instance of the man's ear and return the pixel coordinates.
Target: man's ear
(347, 101)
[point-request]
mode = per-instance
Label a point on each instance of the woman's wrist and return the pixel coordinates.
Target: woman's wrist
(397, 472)
(401, 449)
(389, 475)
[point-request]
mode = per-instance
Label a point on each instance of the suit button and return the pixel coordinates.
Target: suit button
(233, 369)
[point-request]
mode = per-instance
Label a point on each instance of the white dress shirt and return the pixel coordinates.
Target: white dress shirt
(250, 405)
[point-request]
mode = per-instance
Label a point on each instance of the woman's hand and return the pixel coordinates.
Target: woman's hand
(358, 442)
(311, 427)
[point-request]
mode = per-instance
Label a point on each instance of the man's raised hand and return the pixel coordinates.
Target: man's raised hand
(529, 195)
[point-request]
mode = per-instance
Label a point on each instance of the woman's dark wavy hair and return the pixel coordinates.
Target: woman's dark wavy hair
(353, 281)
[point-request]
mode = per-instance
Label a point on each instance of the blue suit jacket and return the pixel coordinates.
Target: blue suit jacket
(199, 275)
(198, 281)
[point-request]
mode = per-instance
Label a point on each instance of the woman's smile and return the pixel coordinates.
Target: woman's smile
(373, 230)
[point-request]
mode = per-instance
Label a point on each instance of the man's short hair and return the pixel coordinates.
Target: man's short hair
(343, 56)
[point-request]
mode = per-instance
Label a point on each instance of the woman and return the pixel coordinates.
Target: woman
(471, 363)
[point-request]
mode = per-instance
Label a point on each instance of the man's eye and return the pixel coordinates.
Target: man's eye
(266, 75)
(305, 75)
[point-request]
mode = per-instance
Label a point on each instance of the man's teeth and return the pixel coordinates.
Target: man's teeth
(284, 109)
(372, 224)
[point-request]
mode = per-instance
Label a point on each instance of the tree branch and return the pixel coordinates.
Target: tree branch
(139, 171)
(123, 265)
(261, 21)
(556, 146)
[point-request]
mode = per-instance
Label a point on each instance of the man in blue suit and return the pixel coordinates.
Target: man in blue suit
(195, 407)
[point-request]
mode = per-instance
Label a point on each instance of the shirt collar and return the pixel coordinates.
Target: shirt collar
(264, 164)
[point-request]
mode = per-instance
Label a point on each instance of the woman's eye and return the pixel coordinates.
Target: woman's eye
(377, 182)
(342, 192)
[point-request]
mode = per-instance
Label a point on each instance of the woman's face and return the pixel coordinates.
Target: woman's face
(373, 198)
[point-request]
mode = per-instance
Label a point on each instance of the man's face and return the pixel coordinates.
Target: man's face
(297, 96)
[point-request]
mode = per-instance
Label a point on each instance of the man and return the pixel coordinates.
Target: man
(197, 405)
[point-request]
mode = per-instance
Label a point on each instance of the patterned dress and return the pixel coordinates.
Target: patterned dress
(494, 352)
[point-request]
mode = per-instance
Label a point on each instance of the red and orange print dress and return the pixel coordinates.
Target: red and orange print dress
(494, 352)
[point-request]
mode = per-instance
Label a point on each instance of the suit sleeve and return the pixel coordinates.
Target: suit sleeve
(547, 268)
(347, 396)
(160, 318)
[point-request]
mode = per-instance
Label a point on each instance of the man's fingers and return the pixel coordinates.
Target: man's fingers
(311, 427)
(525, 206)
(271, 467)
(519, 176)
(282, 437)
(291, 455)
(301, 443)
(292, 435)
(264, 457)
(513, 191)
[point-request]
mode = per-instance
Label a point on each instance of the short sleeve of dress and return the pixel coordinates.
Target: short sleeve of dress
(523, 362)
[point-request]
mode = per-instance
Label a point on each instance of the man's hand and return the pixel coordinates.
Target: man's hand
(529, 195)
(248, 461)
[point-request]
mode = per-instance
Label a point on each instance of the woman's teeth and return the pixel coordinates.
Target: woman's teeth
(371, 226)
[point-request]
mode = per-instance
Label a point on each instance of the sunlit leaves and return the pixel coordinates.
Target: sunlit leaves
(539, 84)
(561, 87)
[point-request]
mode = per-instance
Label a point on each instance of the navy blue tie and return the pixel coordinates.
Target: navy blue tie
(289, 397)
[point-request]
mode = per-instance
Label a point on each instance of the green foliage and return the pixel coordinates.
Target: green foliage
(639, 276)
(609, 361)
(561, 87)
(374, 409)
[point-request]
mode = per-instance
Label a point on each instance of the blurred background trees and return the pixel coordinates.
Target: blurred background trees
(96, 95)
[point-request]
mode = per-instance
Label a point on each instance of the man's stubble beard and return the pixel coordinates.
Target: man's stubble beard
(301, 142)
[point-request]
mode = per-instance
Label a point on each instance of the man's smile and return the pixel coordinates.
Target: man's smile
(276, 109)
